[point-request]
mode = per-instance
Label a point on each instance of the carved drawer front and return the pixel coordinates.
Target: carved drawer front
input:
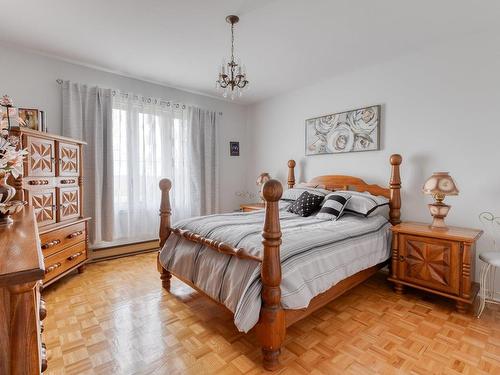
(64, 260)
(68, 156)
(68, 203)
(58, 239)
(44, 205)
(41, 157)
(430, 263)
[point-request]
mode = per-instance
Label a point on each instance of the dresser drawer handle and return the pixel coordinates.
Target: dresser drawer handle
(401, 258)
(75, 234)
(38, 182)
(69, 181)
(74, 256)
(52, 267)
(43, 353)
(50, 244)
(43, 309)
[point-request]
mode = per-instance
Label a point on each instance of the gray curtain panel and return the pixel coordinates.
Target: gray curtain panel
(87, 115)
(202, 139)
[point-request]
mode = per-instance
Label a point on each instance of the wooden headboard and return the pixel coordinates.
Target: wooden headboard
(338, 182)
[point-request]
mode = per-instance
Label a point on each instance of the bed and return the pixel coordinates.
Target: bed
(271, 268)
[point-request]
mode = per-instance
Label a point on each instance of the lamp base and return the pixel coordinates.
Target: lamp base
(438, 211)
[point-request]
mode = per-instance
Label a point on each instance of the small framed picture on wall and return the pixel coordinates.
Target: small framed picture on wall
(234, 148)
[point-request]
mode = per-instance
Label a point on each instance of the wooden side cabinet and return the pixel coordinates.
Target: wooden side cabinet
(436, 260)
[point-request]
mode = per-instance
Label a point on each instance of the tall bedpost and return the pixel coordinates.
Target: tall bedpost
(395, 187)
(165, 229)
(271, 327)
(291, 173)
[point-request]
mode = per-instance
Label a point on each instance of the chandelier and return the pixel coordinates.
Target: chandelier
(232, 79)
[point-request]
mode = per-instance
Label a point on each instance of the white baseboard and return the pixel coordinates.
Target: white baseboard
(122, 250)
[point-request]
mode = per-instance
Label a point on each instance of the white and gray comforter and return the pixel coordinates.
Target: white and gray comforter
(315, 255)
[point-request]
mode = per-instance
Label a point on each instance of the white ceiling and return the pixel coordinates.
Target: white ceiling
(285, 44)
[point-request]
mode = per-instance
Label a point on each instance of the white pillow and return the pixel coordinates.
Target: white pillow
(366, 204)
(294, 193)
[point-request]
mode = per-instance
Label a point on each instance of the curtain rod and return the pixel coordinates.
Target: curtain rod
(60, 81)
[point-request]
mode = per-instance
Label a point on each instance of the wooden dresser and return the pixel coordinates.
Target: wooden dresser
(21, 308)
(52, 184)
(440, 261)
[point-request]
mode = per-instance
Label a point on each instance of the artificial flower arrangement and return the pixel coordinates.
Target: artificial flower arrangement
(11, 162)
(11, 157)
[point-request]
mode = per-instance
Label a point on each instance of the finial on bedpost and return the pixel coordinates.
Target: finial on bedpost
(165, 212)
(291, 173)
(395, 187)
(271, 328)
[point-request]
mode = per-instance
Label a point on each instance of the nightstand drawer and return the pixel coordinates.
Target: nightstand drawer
(430, 262)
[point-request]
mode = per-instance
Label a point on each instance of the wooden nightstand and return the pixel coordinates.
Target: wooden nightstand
(249, 207)
(439, 261)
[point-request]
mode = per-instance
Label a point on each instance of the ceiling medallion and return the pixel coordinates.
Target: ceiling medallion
(232, 79)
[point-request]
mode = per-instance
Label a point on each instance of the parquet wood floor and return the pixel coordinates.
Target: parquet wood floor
(116, 319)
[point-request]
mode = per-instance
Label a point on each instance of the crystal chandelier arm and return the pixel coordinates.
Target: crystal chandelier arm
(242, 83)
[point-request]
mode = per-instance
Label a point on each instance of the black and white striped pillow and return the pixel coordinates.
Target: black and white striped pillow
(333, 206)
(365, 204)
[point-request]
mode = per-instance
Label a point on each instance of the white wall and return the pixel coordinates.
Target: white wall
(30, 80)
(440, 111)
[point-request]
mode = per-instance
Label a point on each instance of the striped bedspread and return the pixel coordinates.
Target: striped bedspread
(315, 255)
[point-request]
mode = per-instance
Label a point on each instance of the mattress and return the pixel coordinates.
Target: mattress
(315, 255)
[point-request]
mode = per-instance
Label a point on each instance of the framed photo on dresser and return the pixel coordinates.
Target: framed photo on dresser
(30, 118)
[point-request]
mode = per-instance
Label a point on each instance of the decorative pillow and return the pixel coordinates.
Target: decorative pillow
(294, 193)
(306, 204)
(333, 206)
(366, 204)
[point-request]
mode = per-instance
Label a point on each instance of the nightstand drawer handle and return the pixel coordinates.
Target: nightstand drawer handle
(75, 234)
(401, 258)
(51, 244)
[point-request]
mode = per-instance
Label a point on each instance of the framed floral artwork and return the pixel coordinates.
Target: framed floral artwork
(350, 131)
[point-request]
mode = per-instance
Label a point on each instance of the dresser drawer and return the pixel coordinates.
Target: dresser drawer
(65, 259)
(58, 239)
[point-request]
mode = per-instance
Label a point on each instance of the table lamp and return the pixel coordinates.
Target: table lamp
(439, 185)
(261, 180)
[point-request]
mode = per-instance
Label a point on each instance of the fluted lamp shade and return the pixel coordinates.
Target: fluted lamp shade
(439, 185)
(261, 180)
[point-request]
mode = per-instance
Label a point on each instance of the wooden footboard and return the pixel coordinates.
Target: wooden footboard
(271, 326)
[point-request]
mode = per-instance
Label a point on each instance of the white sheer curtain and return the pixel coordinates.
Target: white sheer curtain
(153, 139)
